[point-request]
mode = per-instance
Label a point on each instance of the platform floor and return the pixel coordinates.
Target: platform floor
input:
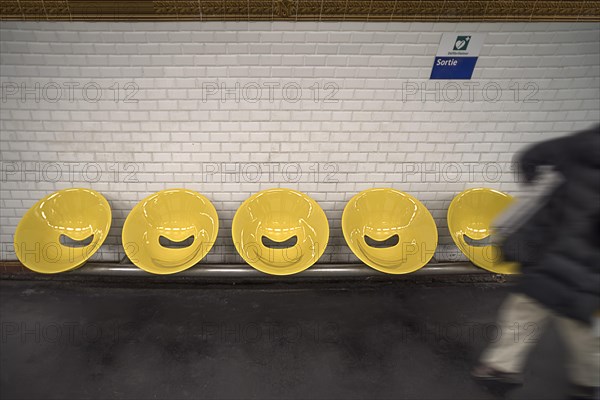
(400, 340)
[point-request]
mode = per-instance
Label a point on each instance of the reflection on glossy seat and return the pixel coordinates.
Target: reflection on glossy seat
(470, 216)
(389, 230)
(280, 231)
(170, 231)
(62, 230)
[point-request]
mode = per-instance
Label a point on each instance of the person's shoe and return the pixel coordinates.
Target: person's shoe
(579, 392)
(485, 373)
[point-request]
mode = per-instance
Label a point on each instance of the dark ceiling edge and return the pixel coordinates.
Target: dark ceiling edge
(300, 10)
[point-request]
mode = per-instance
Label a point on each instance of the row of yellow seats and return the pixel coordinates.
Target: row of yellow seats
(277, 231)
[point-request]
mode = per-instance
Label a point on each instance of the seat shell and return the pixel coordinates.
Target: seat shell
(382, 213)
(279, 215)
(170, 216)
(470, 216)
(75, 215)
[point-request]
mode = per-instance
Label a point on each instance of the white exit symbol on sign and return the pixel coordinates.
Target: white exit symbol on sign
(462, 42)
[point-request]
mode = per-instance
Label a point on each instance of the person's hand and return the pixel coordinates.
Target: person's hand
(529, 171)
(528, 168)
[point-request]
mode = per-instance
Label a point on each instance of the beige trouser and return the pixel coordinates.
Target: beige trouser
(520, 322)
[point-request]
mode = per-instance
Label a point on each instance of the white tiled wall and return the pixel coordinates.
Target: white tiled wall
(132, 108)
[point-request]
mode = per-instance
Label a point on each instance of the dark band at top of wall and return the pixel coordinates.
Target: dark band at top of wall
(299, 10)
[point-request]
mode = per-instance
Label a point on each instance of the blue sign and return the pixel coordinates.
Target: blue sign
(457, 55)
(453, 67)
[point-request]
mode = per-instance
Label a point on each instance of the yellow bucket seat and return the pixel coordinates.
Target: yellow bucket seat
(470, 216)
(62, 230)
(170, 231)
(280, 231)
(389, 230)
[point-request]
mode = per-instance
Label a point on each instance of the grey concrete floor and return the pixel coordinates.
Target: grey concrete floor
(398, 340)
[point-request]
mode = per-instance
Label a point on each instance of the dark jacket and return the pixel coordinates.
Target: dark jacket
(559, 247)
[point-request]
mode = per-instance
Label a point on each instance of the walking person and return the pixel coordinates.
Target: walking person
(558, 249)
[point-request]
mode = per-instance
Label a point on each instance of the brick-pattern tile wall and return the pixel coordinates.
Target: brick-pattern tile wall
(229, 109)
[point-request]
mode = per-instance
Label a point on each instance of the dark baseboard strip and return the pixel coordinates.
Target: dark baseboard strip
(242, 273)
